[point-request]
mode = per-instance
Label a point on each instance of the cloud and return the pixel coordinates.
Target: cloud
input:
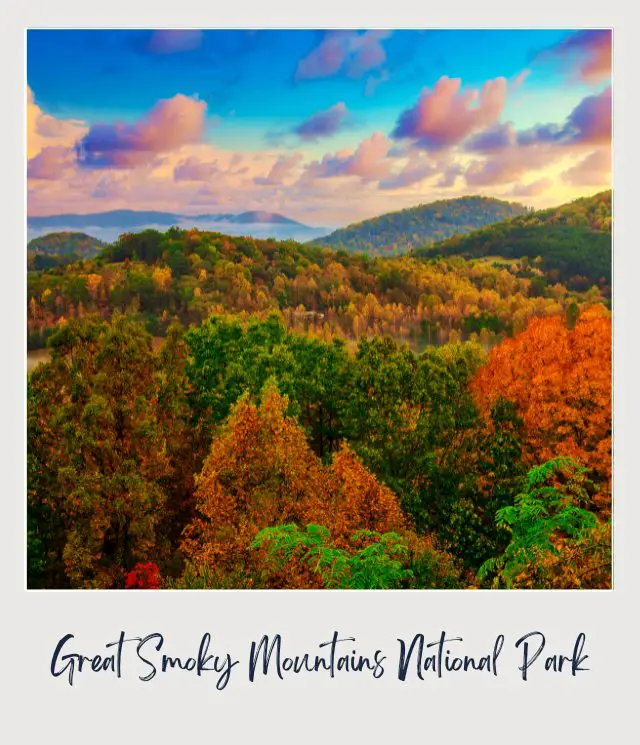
(510, 154)
(534, 189)
(587, 52)
(519, 79)
(497, 137)
(511, 164)
(346, 52)
(50, 163)
(373, 81)
(369, 161)
(44, 130)
(589, 123)
(109, 187)
(193, 169)
(446, 116)
(282, 168)
(322, 123)
(450, 176)
(411, 174)
(594, 170)
(170, 41)
(170, 124)
(591, 119)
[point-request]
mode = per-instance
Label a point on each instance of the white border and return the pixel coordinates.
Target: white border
(590, 708)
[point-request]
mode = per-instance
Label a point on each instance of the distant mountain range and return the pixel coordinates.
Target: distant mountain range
(107, 226)
(399, 232)
(141, 218)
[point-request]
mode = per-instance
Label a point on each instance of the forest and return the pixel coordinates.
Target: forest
(225, 412)
(156, 277)
(571, 243)
(54, 249)
(398, 232)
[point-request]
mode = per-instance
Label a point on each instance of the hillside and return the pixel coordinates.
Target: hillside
(572, 242)
(54, 249)
(192, 274)
(399, 232)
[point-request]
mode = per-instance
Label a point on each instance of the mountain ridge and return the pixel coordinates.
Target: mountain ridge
(424, 224)
(138, 218)
(572, 241)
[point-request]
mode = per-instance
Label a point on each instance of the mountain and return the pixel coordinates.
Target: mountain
(250, 218)
(399, 232)
(113, 218)
(573, 241)
(108, 226)
(140, 218)
(54, 249)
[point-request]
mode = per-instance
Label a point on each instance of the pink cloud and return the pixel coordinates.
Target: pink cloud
(445, 116)
(494, 138)
(322, 123)
(450, 176)
(589, 123)
(369, 161)
(591, 119)
(50, 163)
(510, 154)
(411, 174)
(44, 130)
(589, 52)
(170, 124)
(519, 79)
(193, 169)
(280, 170)
(594, 170)
(348, 52)
(512, 164)
(534, 189)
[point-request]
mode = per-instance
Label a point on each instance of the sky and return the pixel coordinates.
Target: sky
(326, 127)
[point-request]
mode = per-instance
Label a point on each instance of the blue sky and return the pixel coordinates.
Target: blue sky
(241, 99)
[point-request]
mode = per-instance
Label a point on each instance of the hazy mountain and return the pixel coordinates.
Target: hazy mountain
(141, 218)
(399, 232)
(107, 226)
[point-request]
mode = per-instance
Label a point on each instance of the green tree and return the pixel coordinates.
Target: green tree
(556, 538)
(97, 440)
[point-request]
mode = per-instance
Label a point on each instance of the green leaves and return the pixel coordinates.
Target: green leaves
(371, 560)
(229, 358)
(548, 522)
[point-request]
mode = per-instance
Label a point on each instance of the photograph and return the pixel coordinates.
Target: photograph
(318, 309)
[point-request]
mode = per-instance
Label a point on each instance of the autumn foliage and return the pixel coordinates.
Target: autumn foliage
(143, 577)
(242, 454)
(560, 381)
(261, 472)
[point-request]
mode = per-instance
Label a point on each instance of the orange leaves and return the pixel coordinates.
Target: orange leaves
(560, 381)
(364, 503)
(161, 276)
(261, 472)
(93, 283)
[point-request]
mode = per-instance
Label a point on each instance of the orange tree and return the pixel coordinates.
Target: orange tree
(261, 473)
(560, 382)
